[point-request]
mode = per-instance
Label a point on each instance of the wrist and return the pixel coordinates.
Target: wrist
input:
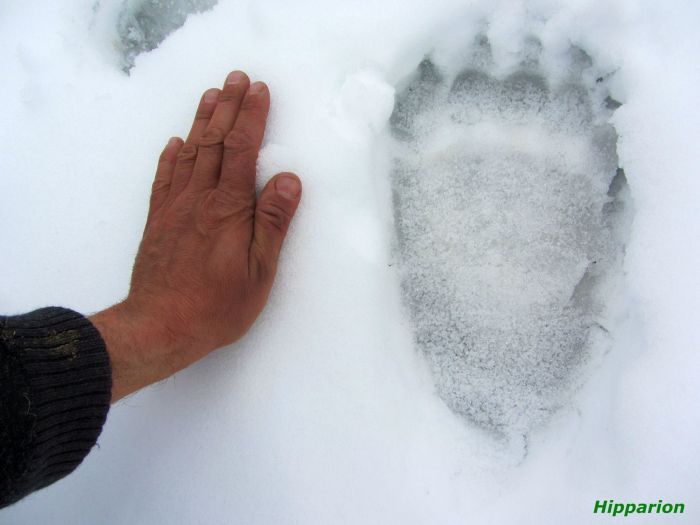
(139, 348)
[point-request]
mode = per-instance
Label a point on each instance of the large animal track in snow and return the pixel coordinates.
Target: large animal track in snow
(143, 24)
(509, 211)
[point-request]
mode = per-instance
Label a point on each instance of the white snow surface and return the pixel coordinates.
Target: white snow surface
(327, 411)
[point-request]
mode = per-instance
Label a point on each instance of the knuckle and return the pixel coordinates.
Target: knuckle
(159, 186)
(164, 157)
(230, 94)
(253, 103)
(212, 136)
(240, 140)
(203, 114)
(273, 216)
(188, 154)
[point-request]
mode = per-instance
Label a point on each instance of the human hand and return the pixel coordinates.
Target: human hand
(209, 252)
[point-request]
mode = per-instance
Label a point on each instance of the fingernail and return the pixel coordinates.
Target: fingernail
(172, 141)
(234, 77)
(257, 87)
(211, 95)
(288, 187)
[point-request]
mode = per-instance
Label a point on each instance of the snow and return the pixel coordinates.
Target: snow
(508, 224)
(328, 411)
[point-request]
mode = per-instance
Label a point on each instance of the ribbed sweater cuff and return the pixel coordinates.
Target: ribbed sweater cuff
(59, 364)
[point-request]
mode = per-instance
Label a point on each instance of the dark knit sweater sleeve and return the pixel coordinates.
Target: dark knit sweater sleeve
(55, 390)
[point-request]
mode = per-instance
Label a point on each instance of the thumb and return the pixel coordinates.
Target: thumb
(273, 213)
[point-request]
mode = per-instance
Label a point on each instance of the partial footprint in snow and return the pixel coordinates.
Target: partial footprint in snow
(144, 24)
(509, 215)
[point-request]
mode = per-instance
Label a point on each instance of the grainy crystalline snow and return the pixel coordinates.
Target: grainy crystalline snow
(478, 317)
(502, 196)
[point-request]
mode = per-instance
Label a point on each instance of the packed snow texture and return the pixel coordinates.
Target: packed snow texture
(485, 309)
(507, 223)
